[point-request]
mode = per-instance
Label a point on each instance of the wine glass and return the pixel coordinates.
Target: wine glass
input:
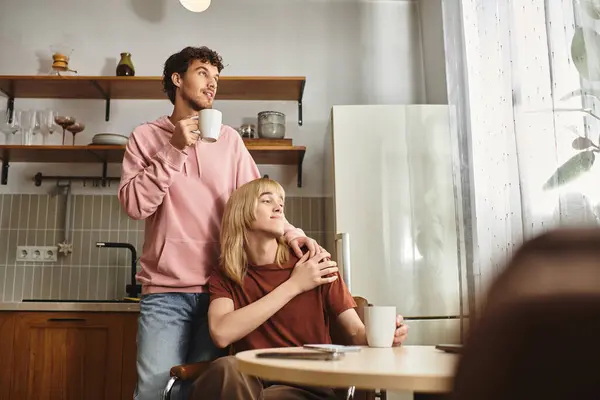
(47, 124)
(64, 121)
(10, 124)
(28, 123)
(75, 129)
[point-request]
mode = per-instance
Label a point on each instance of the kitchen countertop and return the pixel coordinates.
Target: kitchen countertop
(75, 306)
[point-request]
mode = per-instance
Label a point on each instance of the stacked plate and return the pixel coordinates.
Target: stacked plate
(111, 139)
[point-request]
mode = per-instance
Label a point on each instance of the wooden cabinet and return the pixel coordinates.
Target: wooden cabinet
(68, 355)
(7, 329)
(129, 371)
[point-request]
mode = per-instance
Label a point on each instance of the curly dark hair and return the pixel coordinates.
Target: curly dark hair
(179, 62)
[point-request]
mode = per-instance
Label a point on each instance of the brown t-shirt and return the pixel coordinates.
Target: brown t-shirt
(304, 320)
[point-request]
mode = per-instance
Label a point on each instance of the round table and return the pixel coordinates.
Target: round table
(419, 369)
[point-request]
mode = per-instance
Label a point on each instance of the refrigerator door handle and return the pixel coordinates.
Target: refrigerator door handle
(344, 238)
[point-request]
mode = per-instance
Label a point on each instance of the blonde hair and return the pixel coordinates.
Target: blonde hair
(237, 219)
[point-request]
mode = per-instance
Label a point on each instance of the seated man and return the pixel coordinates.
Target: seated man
(262, 296)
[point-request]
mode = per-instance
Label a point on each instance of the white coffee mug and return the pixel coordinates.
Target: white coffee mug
(380, 324)
(209, 124)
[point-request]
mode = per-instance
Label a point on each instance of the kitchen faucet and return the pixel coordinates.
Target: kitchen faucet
(132, 289)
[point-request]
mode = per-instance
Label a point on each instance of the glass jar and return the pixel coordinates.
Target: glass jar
(271, 125)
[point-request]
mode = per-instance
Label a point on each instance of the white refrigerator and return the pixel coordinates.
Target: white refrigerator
(397, 215)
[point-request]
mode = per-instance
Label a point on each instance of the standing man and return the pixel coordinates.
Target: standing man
(179, 186)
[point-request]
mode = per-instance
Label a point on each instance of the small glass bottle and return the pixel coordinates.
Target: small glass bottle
(125, 67)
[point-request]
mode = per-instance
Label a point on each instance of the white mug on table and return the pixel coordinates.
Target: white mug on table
(380, 325)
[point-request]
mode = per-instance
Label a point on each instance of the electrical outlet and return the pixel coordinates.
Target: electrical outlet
(37, 253)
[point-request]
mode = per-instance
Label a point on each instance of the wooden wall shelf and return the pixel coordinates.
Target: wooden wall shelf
(262, 154)
(62, 154)
(147, 88)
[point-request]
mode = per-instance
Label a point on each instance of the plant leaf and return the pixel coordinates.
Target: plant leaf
(575, 166)
(584, 53)
(582, 143)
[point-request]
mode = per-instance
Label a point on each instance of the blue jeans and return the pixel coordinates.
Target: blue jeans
(172, 330)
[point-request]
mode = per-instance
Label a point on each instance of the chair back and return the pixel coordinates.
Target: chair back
(538, 334)
(338, 336)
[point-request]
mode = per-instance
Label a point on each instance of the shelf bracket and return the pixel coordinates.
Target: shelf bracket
(104, 173)
(10, 107)
(300, 117)
(106, 98)
(300, 162)
(107, 110)
(5, 166)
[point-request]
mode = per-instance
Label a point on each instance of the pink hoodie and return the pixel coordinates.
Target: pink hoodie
(182, 196)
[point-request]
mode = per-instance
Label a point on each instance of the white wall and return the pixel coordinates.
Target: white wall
(351, 53)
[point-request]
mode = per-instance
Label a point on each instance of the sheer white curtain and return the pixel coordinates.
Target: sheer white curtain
(523, 78)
